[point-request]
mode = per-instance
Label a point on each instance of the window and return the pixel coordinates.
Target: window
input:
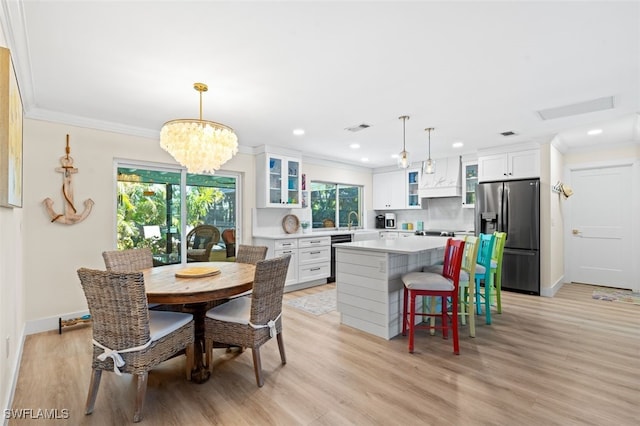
(331, 204)
(150, 214)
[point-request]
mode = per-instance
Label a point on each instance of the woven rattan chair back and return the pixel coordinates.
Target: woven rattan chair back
(118, 306)
(208, 234)
(251, 254)
(268, 287)
(200, 241)
(131, 260)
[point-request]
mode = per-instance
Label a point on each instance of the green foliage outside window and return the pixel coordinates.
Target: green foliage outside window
(333, 202)
(151, 200)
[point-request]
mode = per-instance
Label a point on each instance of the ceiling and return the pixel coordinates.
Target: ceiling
(471, 70)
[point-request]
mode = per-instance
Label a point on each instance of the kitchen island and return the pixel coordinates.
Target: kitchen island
(369, 280)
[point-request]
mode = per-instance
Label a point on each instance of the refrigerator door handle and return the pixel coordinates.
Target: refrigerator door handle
(505, 213)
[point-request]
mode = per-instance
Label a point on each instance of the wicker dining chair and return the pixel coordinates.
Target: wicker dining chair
(251, 254)
(131, 260)
(127, 336)
(251, 322)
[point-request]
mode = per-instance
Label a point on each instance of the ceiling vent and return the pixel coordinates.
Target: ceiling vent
(577, 108)
(508, 133)
(358, 127)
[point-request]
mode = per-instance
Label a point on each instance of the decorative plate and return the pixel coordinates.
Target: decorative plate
(197, 272)
(290, 224)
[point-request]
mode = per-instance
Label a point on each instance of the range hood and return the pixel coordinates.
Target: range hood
(445, 182)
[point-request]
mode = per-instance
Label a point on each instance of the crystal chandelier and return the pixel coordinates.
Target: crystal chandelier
(403, 157)
(429, 166)
(201, 146)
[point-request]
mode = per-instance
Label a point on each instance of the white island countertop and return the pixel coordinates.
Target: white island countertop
(398, 245)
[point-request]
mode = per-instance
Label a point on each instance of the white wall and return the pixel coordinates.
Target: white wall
(53, 252)
(12, 294)
(554, 272)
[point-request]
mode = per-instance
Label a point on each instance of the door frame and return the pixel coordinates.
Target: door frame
(635, 207)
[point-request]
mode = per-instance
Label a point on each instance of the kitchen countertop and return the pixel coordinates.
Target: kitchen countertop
(400, 245)
(300, 234)
(282, 235)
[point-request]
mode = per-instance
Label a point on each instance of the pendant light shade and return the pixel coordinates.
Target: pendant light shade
(403, 158)
(429, 166)
(201, 146)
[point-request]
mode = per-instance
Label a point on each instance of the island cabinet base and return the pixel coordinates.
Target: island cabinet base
(370, 289)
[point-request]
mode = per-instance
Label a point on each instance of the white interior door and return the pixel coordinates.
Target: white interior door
(601, 214)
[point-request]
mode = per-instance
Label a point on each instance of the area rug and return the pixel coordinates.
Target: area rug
(316, 304)
(615, 295)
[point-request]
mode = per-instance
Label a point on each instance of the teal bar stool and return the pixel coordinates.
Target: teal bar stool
(483, 273)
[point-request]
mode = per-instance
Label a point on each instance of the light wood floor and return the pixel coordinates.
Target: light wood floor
(567, 360)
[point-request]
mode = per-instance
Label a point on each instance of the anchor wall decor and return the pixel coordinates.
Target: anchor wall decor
(69, 214)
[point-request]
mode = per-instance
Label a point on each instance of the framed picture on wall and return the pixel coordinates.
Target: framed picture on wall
(10, 134)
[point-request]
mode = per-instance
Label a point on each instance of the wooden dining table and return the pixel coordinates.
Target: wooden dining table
(195, 294)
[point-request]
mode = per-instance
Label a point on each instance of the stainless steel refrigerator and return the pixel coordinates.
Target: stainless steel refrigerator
(513, 207)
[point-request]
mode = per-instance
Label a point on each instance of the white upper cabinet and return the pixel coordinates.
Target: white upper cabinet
(278, 181)
(444, 182)
(389, 190)
(509, 165)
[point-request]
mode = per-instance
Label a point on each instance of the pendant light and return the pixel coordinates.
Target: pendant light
(429, 166)
(403, 157)
(202, 146)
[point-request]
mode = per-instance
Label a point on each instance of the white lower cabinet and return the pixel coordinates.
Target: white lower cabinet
(314, 256)
(310, 257)
(290, 247)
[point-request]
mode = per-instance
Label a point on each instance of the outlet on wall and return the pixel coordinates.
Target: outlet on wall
(8, 347)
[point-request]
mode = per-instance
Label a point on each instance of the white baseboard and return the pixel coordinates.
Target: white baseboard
(50, 323)
(14, 376)
(551, 291)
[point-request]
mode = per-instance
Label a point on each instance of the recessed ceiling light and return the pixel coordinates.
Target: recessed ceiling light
(354, 146)
(457, 145)
(298, 132)
(364, 159)
(394, 155)
(594, 132)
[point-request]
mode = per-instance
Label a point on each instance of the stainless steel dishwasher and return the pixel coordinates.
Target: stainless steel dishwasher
(340, 238)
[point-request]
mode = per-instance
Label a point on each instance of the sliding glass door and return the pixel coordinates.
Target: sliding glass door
(150, 210)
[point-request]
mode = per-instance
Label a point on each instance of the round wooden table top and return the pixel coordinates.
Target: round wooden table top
(163, 286)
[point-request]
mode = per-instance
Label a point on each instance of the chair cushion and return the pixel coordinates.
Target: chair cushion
(200, 242)
(437, 269)
(480, 269)
(162, 323)
(494, 264)
(427, 281)
(236, 310)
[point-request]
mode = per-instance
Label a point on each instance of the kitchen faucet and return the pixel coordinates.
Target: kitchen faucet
(349, 218)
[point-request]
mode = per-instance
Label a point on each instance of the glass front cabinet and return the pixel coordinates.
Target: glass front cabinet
(278, 181)
(469, 184)
(412, 185)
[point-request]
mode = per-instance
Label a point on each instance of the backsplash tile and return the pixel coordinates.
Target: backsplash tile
(439, 213)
